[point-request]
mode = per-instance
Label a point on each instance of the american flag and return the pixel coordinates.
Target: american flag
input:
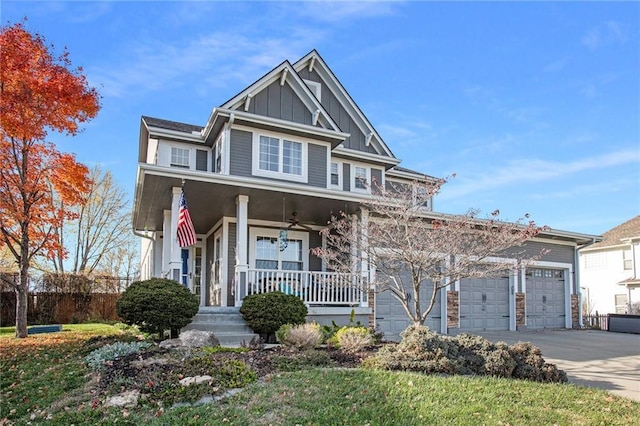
(186, 232)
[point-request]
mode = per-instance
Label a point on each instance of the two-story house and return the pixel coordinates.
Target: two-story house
(265, 173)
(609, 271)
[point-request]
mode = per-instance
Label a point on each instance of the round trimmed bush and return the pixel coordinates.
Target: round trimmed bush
(157, 305)
(265, 313)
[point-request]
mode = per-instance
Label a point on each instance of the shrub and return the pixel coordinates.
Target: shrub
(96, 359)
(301, 336)
(353, 339)
(425, 351)
(157, 305)
(266, 313)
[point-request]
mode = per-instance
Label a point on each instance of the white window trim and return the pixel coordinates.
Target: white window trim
(255, 232)
(339, 185)
(190, 160)
(367, 169)
(255, 160)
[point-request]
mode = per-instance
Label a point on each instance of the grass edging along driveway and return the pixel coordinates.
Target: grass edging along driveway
(44, 381)
(601, 359)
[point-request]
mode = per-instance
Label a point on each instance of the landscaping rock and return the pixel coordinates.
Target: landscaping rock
(191, 339)
(196, 380)
(125, 399)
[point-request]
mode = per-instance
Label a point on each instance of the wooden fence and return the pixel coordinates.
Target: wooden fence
(60, 308)
(597, 321)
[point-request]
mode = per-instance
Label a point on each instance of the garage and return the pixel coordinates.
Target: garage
(484, 304)
(545, 298)
(391, 318)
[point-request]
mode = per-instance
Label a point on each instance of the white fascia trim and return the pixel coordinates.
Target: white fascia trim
(336, 87)
(412, 176)
(281, 124)
(158, 131)
(359, 155)
(551, 241)
(573, 235)
(247, 182)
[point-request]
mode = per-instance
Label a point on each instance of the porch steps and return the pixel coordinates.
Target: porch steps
(225, 322)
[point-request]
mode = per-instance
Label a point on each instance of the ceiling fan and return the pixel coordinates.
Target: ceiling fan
(294, 221)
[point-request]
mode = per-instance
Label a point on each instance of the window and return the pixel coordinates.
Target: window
(217, 156)
(292, 158)
(360, 177)
(627, 260)
(268, 252)
(180, 157)
(335, 174)
(279, 158)
(269, 153)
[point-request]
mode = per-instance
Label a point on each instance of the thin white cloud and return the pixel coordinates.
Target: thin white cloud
(556, 66)
(210, 60)
(523, 171)
(607, 33)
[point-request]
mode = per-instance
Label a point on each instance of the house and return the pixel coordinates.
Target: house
(609, 271)
(264, 174)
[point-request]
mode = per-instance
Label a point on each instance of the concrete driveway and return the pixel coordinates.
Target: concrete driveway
(594, 358)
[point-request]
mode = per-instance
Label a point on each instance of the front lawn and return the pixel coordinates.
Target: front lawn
(44, 380)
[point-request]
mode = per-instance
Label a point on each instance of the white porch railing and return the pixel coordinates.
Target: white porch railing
(313, 287)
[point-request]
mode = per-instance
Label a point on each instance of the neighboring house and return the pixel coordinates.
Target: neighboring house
(264, 174)
(609, 271)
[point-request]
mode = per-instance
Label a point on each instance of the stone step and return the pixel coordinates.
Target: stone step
(219, 327)
(218, 318)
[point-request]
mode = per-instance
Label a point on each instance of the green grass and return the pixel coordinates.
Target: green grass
(90, 329)
(43, 381)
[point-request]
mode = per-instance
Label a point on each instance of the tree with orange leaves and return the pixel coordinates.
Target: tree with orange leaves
(39, 92)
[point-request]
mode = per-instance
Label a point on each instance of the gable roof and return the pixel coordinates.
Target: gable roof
(286, 74)
(613, 237)
(315, 61)
(171, 125)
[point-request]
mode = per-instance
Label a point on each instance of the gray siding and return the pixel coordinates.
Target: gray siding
(202, 160)
(315, 240)
(346, 177)
(240, 153)
(557, 252)
(280, 102)
(339, 114)
(317, 163)
(231, 263)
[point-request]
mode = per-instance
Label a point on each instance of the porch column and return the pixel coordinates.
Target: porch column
(166, 243)
(364, 272)
(242, 266)
(513, 285)
(175, 261)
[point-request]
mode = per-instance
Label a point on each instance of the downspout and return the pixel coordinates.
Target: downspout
(576, 274)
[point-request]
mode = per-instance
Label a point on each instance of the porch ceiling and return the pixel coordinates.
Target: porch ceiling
(209, 201)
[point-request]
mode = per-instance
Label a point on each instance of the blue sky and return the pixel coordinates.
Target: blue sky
(535, 106)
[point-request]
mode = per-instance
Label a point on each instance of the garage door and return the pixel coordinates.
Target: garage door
(545, 298)
(391, 318)
(484, 304)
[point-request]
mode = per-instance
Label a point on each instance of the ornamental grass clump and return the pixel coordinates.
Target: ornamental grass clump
(353, 339)
(301, 336)
(96, 359)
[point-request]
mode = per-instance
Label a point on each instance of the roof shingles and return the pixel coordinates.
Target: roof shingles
(612, 237)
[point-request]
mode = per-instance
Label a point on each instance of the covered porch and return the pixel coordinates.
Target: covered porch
(253, 237)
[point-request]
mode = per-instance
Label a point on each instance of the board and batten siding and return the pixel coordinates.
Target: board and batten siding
(280, 102)
(339, 115)
(317, 165)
